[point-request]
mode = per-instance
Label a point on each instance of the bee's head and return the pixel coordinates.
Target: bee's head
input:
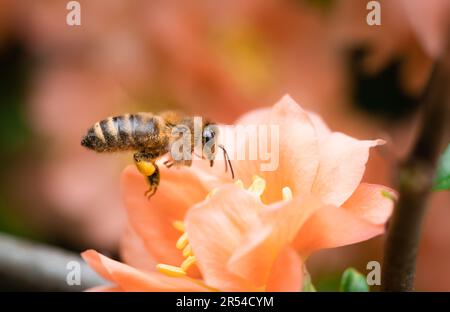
(209, 133)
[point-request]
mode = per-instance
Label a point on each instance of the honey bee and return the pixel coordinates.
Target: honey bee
(151, 137)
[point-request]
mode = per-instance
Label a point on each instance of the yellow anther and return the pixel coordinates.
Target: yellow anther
(188, 262)
(170, 270)
(187, 251)
(182, 241)
(145, 167)
(178, 225)
(258, 186)
(239, 183)
(287, 193)
(212, 192)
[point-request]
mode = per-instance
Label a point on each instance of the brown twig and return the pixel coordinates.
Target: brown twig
(26, 265)
(415, 179)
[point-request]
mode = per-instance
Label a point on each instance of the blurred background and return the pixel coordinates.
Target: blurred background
(214, 58)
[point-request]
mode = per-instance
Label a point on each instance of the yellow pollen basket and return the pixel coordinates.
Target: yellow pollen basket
(147, 168)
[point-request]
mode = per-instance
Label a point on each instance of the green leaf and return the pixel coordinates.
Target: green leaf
(328, 281)
(353, 281)
(442, 180)
(307, 284)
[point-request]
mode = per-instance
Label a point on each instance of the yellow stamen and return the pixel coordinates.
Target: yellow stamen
(199, 282)
(188, 262)
(145, 167)
(187, 251)
(170, 270)
(182, 241)
(178, 225)
(287, 193)
(239, 183)
(258, 186)
(211, 193)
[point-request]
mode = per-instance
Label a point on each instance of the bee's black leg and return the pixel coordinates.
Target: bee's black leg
(145, 162)
(143, 155)
(154, 182)
(168, 163)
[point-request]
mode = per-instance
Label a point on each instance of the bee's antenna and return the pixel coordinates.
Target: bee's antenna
(227, 161)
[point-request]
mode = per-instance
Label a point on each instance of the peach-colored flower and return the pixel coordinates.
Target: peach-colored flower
(235, 56)
(255, 238)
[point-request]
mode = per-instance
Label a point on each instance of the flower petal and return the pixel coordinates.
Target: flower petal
(215, 228)
(131, 279)
(332, 227)
(371, 202)
(134, 253)
(287, 272)
(254, 259)
(295, 146)
(322, 130)
(152, 219)
(342, 165)
(105, 288)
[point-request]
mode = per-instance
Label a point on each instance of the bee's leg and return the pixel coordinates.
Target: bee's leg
(145, 163)
(168, 163)
(143, 155)
(153, 180)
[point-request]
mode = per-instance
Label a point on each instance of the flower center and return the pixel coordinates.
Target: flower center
(181, 244)
(257, 187)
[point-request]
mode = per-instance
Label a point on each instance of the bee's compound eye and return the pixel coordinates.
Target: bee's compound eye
(208, 134)
(147, 168)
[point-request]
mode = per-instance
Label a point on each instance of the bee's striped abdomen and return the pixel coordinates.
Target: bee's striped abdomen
(126, 132)
(124, 128)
